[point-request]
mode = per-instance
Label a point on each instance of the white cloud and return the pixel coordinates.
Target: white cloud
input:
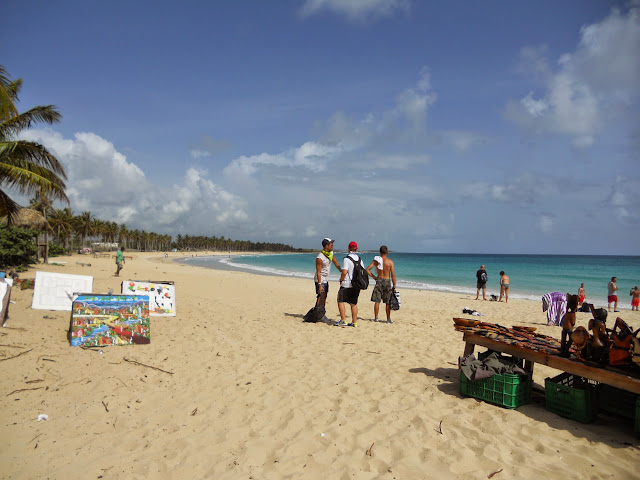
(534, 107)
(344, 135)
(589, 86)
(310, 155)
(355, 9)
(101, 180)
(413, 104)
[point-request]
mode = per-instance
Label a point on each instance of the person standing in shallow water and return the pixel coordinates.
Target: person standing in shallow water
(482, 277)
(582, 294)
(504, 287)
(612, 297)
(635, 298)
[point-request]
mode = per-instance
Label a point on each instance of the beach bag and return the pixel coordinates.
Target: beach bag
(394, 303)
(483, 277)
(315, 314)
(360, 277)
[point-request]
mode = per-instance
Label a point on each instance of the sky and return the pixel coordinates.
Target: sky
(428, 126)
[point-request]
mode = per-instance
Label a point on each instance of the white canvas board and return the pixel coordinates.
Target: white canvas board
(54, 291)
(4, 288)
(162, 296)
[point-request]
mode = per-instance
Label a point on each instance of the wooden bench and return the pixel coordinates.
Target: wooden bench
(125, 256)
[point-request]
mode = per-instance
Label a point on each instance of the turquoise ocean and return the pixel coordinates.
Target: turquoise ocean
(531, 276)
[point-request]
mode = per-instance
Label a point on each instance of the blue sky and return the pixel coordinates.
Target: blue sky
(458, 126)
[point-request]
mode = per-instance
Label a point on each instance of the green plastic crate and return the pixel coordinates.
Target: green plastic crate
(505, 389)
(617, 401)
(571, 397)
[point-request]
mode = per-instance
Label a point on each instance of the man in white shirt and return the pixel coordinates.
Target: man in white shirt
(347, 293)
(323, 267)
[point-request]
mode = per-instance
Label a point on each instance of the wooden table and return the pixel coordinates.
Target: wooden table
(613, 378)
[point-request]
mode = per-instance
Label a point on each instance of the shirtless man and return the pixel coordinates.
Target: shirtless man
(581, 294)
(612, 297)
(635, 299)
(504, 287)
(383, 290)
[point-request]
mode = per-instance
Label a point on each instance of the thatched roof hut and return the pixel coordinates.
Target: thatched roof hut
(29, 218)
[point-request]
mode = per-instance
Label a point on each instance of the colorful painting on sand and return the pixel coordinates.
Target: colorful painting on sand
(105, 320)
(162, 296)
(54, 291)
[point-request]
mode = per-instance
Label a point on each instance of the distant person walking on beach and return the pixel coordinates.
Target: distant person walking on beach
(383, 290)
(482, 277)
(504, 287)
(347, 293)
(323, 266)
(635, 298)
(581, 294)
(119, 261)
(612, 296)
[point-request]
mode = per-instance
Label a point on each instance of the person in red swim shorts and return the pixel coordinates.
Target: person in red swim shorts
(612, 297)
(635, 298)
(581, 294)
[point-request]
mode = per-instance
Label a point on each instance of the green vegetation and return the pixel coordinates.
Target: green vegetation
(17, 248)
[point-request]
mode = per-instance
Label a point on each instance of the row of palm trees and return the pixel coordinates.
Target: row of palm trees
(84, 230)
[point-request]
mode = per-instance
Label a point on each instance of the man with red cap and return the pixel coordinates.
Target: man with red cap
(347, 293)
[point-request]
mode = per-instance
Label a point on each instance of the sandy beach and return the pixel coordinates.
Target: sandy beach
(242, 389)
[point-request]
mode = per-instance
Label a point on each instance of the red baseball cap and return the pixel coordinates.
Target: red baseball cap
(353, 246)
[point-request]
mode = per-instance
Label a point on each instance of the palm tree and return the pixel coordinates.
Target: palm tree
(83, 226)
(61, 223)
(42, 203)
(123, 235)
(27, 167)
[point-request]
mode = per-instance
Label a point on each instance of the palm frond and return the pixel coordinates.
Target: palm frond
(32, 180)
(8, 208)
(23, 152)
(41, 114)
(8, 92)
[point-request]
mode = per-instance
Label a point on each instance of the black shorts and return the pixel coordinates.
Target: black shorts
(348, 295)
(481, 284)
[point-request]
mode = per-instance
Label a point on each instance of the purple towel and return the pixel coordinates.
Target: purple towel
(555, 304)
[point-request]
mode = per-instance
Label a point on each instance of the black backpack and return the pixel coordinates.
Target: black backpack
(360, 277)
(315, 314)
